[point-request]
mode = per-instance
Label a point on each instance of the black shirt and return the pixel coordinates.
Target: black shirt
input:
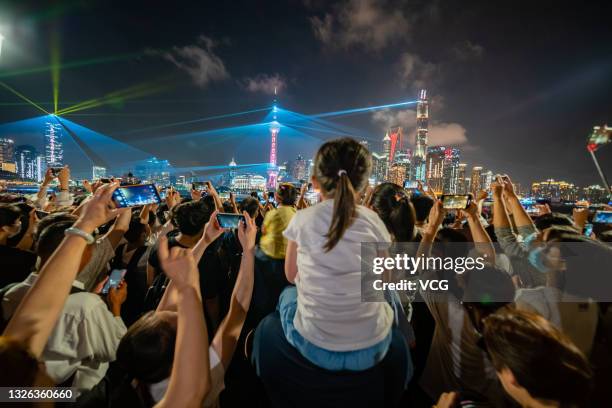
(16, 264)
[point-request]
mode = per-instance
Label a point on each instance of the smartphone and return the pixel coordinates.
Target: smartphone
(136, 195)
(411, 184)
(105, 180)
(602, 217)
(41, 214)
(455, 201)
(588, 229)
(230, 221)
(114, 279)
(199, 186)
(55, 170)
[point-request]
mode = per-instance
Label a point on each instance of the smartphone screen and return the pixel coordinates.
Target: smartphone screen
(114, 279)
(588, 230)
(602, 217)
(455, 201)
(231, 221)
(198, 185)
(411, 184)
(136, 195)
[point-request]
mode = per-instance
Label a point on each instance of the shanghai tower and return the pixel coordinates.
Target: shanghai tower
(420, 153)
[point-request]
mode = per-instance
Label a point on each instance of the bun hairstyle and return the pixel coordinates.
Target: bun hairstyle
(342, 168)
(542, 359)
(287, 193)
(393, 206)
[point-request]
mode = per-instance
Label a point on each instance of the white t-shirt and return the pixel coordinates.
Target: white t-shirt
(330, 313)
(217, 374)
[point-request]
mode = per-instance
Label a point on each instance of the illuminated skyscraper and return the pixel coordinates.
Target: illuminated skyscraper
(232, 171)
(397, 174)
(396, 142)
(486, 178)
(380, 165)
(30, 165)
(420, 154)
(98, 172)
(272, 167)
(54, 148)
(451, 170)
(435, 168)
(298, 168)
(462, 182)
(475, 184)
(387, 145)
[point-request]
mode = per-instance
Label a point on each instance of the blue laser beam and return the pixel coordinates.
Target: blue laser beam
(189, 122)
(361, 110)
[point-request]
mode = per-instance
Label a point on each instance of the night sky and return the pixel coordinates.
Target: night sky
(516, 85)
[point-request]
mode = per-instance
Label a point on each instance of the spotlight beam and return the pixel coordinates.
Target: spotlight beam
(23, 97)
(361, 110)
(188, 122)
(55, 68)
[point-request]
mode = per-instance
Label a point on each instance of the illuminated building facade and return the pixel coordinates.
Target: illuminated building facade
(486, 178)
(555, 191)
(435, 168)
(98, 172)
(380, 164)
(419, 165)
(476, 180)
(397, 174)
(272, 167)
(7, 154)
(29, 164)
(596, 194)
(54, 147)
(450, 173)
(396, 143)
(462, 182)
(298, 168)
(245, 183)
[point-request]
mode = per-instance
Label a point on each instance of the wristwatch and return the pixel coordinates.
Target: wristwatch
(80, 233)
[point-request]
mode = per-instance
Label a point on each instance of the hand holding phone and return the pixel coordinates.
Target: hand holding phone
(136, 195)
(113, 280)
(455, 201)
(230, 221)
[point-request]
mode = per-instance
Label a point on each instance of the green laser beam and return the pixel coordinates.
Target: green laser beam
(22, 96)
(71, 64)
(55, 67)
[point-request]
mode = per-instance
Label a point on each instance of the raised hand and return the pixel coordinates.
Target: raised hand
(99, 210)
(580, 216)
(447, 400)
(247, 233)
(179, 265)
(508, 186)
(196, 195)
(116, 297)
(212, 229)
(436, 216)
(497, 189)
(64, 178)
(87, 186)
(48, 177)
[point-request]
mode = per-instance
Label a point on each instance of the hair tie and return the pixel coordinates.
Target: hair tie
(341, 172)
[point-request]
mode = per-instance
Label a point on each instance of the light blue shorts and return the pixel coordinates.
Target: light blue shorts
(356, 360)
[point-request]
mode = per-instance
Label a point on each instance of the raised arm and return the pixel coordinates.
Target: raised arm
(190, 376)
(521, 218)
(212, 231)
(37, 313)
(215, 195)
(232, 199)
(226, 338)
(435, 218)
(479, 234)
(120, 227)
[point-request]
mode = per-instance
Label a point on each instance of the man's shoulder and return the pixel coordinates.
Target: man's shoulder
(83, 303)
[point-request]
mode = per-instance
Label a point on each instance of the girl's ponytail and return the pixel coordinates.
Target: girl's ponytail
(344, 210)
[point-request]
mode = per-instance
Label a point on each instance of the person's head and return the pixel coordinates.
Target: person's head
(422, 205)
(190, 217)
(52, 219)
(228, 207)
(50, 237)
(535, 361)
(10, 220)
(286, 194)
(484, 291)
(19, 367)
(552, 219)
(137, 233)
(255, 194)
(250, 205)
(146, 350)
(341, 171)
(393, 206)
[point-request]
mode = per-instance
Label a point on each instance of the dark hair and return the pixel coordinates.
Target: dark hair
(52, 219)
(254, 194)
(422, 205)
(287, 193)
(191, 216)
(541, 358)
(548, 220)
(342, 166)
(50, 238)
(9, 214)
(135, 230)
(250, 205)
(228, 207)
(147, 349)
(393, 206)
(19, 366)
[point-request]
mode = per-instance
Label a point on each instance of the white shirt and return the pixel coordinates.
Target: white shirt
(330, 313)
(84, 339)
(217, 374)
(575, 316)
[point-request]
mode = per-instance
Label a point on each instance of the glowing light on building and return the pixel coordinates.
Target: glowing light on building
(420, 154)
(54, 147)
(274, 129)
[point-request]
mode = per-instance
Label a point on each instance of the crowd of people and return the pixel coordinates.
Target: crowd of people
(271, 313)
